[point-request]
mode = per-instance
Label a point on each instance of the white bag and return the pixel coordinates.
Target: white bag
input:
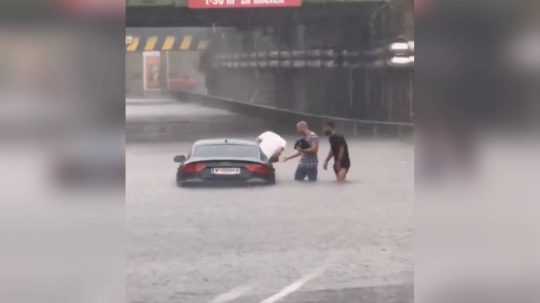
(270, 143)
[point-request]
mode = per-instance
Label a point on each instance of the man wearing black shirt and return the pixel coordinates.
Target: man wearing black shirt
(339, 151)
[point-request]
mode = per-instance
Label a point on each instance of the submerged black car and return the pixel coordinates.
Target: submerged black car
(224, 162)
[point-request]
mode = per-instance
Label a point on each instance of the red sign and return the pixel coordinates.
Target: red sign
(209, 4)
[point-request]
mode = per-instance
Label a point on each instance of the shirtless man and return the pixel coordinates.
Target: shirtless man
(307, 167)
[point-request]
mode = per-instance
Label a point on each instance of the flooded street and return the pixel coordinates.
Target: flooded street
(290, 242)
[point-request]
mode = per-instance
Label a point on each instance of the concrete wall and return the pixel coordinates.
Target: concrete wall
(369, 93)
(366, 93)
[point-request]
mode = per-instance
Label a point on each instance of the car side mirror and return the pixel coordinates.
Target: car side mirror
(180, 159)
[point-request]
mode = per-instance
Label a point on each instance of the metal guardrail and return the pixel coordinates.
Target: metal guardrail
(354, 124)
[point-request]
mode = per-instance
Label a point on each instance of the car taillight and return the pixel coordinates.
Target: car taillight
(258, 169)
(193, 168)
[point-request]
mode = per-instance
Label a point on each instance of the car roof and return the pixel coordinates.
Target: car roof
(224, 141)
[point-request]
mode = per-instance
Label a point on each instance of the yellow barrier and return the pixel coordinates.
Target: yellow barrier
(168, 43)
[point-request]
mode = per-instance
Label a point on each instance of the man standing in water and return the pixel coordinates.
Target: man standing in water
(339, 151)
(308, 150)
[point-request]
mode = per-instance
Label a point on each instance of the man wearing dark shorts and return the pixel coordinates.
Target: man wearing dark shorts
(339, 151)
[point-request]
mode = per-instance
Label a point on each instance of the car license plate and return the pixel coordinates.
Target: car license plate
(226, 171)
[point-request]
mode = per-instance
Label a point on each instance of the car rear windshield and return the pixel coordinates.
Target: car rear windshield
(226, 151)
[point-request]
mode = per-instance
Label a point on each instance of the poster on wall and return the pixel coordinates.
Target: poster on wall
(151, 71)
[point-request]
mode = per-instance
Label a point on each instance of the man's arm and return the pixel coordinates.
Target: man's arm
(297, 154)
(330, 155)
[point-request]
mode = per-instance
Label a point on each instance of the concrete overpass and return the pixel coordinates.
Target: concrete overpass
(177, 13)
(324, 57)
